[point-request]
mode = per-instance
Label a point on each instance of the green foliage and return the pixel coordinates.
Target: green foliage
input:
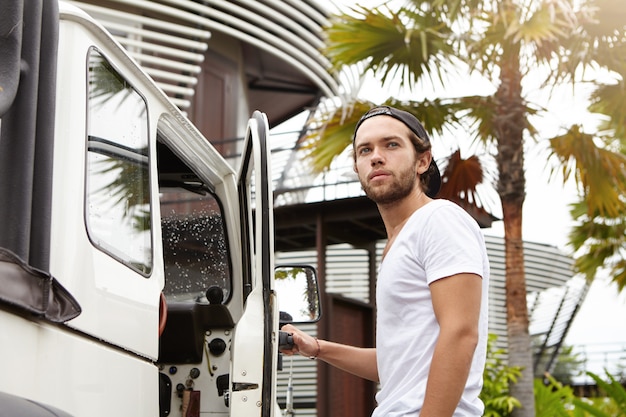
(614, 390)
(551, 399)
(599, 407)
(602, 241)
(497, 378)
(555, 399)
(392, 48)
(291, 272)
(599, 169)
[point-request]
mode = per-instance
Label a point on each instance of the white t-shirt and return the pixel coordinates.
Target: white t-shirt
(439, 240)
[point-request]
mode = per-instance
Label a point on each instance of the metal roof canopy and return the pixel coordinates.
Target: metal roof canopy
(275, 86)
(353, 220)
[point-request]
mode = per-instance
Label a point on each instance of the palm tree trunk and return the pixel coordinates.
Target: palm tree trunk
(511, 190)
(509, 124)
(519, 346)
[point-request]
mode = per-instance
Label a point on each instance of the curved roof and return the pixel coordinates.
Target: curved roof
(281, 44)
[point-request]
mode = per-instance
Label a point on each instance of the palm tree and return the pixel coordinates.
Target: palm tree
(502, 41)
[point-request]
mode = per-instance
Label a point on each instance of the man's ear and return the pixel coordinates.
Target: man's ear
(423, 162)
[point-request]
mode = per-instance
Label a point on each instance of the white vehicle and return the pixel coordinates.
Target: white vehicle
(136, 266)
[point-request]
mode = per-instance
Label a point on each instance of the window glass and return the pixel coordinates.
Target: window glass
(118, 214)
(194, 243)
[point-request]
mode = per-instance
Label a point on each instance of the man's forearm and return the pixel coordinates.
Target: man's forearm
(357, 361)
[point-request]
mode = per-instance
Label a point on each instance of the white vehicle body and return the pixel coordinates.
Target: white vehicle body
(100, 339)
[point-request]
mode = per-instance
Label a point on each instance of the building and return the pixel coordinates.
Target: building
(221, 60)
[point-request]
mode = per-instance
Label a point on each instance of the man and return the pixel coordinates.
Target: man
(431, 296)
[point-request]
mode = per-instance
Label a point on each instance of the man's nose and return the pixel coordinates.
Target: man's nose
(376, 157)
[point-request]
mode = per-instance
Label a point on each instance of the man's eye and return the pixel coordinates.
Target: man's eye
(392, 145)
(364, 151)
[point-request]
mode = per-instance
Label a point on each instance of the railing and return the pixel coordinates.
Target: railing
(598, 357)
(293, 178)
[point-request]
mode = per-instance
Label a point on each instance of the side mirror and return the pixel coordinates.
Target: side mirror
(298, 294)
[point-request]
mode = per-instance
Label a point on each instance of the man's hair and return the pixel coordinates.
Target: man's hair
(420, 147)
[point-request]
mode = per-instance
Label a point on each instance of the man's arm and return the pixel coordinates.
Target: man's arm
(357, 361)
(456, 301)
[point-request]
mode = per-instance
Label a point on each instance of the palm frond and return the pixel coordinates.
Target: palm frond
(550, 399)
(460, 180)
(606, 19)
(482, 110)
(407, 45)
(614, 390)
(461, 176)
(610, 100)
(435, 114)
(600, 243)
(330, 132)
(601, 172)
(544, 25)
(597, 38)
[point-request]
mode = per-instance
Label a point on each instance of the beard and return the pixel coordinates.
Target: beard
(402, 186)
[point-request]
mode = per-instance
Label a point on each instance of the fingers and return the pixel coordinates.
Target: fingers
(291, 330)
(302, 342)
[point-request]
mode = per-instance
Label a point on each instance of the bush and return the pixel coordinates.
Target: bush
(496, 380)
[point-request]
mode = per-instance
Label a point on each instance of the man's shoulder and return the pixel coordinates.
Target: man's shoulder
(448, 214)
(446, 207)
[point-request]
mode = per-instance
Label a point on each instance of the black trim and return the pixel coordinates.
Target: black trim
(263, 185)
(244, 207)
(34, 291)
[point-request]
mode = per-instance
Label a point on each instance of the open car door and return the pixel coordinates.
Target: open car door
(254, 348)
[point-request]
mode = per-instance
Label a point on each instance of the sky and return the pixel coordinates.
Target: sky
(600, 322)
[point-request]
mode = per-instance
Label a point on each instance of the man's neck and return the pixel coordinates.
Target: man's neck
(396, 214)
